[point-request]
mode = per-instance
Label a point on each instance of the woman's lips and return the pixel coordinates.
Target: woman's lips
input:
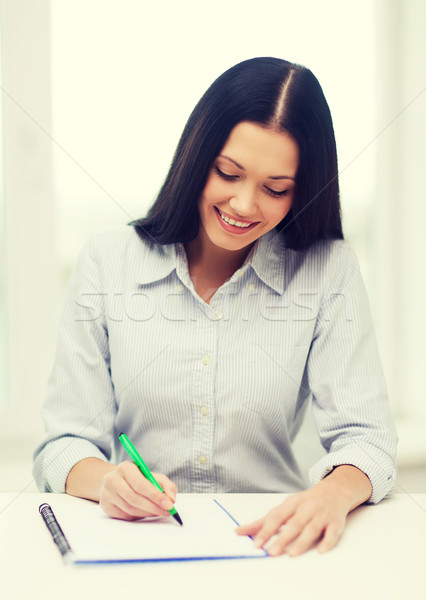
(234, 228)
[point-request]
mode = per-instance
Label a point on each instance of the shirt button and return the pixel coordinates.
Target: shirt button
(202, 459)
(204, 411)
(179, 287)
(206, 360)
(250, 287)
(218, 314)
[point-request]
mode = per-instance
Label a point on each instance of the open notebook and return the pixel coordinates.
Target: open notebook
(208, 532)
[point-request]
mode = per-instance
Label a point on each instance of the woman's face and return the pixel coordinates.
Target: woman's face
(250, 187)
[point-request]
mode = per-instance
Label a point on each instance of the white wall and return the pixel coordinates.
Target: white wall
(400, 214)
(95, 95)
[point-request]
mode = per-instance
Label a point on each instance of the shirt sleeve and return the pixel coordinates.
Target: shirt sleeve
(79, 406)
(349, 398)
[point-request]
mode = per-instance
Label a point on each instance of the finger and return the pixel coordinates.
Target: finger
(249, 528)
(115, 512)
(272, 523)
(117, 491)
(170, 488)
(114, 506)
(122, 496)
(288, 532)
(138, 506)
(284, 511)
(142, 493)
(332, 535)
(309, 535)
(275, 519)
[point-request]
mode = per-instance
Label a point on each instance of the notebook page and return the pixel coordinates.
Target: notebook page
(207, 532)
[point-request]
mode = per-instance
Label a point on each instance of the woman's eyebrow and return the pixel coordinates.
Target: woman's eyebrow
(243, 169)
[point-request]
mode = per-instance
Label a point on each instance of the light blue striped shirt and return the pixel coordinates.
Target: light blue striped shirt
(213, 395)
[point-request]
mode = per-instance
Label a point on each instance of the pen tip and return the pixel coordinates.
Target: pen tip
(178, 519)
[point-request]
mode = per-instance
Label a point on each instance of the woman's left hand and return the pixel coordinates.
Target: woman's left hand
(301, 520)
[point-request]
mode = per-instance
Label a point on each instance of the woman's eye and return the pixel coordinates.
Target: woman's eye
(225, 175)
(275, 193)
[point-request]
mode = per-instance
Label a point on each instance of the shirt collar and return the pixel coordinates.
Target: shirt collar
(266, 258)
(157, 262)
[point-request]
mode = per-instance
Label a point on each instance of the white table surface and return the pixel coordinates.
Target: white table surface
(381, 555)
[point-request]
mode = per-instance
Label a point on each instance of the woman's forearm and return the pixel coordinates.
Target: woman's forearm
(351, 483)
(86, 477)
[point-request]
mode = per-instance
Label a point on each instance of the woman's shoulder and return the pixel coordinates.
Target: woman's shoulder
(118, 254)
(335, 251)
(332, 253)
(325, 263)
(341, 268)
(122, 240)
(118, 236)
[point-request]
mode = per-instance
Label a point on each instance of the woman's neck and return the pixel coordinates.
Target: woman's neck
(210, 266)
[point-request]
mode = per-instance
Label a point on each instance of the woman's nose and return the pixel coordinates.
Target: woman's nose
(244, 202)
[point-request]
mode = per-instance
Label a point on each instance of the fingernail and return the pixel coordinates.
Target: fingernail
(166, 504)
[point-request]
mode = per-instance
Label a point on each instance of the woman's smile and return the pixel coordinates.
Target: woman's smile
(234, 224)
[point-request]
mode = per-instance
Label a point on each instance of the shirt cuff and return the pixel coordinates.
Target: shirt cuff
(60, 456)
(380, 469)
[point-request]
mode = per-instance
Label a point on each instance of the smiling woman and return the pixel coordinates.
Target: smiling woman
(266, 310)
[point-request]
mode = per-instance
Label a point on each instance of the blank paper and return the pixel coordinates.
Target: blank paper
(208, 531)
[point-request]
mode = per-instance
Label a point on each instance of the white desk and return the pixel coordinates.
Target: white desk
(381, 556)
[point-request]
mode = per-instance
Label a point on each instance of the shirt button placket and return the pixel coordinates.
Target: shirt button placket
(206, 360)
(203, 407)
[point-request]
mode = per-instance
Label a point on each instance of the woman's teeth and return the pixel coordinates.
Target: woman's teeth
(232, 222)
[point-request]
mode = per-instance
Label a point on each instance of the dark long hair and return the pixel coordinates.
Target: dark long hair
(275, 94)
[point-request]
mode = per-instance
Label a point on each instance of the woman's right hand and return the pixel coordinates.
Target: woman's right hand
(126, 494)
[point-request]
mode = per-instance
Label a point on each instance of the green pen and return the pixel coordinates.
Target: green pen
(137, 459)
